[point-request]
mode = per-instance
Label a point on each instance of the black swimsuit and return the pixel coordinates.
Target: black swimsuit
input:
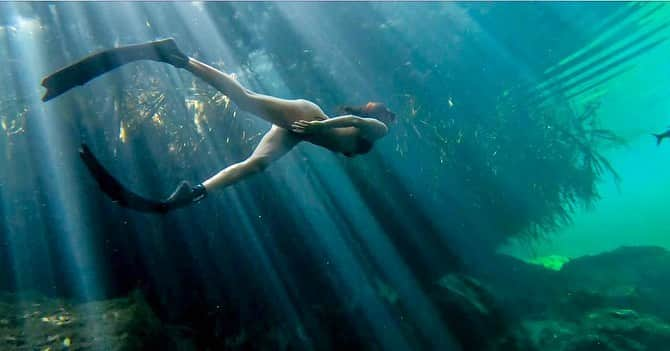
(363, 146)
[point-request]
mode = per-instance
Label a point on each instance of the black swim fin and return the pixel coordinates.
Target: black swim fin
(98, 63)
(114, 189)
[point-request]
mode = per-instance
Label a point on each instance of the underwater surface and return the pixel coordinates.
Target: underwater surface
(516, 202)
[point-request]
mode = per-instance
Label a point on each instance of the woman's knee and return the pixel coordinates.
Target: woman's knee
(258, 163)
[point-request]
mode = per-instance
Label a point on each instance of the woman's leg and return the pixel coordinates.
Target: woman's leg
(277, 111)
(275, 144)
(222, 82)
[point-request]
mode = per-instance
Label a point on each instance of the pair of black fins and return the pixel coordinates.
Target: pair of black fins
(92, 66)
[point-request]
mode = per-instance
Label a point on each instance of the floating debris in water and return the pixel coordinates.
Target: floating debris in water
(122, 132)
(624, 313)
(386, 292)
(57, 319)
(157, 119)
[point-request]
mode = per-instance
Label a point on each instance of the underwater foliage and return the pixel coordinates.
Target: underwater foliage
(321, 250)
(554, 167)
(521, 166)
(34, 322)
(525, 183)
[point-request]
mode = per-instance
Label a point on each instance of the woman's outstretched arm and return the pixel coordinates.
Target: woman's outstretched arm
(370, 128)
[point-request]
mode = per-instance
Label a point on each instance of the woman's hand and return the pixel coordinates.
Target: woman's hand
(307, 127)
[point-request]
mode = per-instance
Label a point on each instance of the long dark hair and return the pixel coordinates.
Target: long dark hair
(376, 110)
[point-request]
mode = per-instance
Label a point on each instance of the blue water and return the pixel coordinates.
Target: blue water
(508, 115)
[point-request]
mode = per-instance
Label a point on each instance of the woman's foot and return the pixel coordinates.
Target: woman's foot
(185, 194)
(168, 52)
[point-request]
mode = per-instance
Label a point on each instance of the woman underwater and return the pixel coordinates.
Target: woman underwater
(292, 122)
